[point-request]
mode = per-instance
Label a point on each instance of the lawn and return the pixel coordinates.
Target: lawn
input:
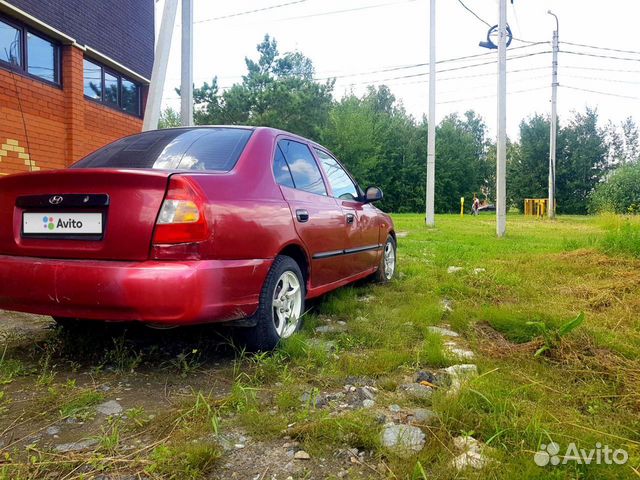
(506, 293)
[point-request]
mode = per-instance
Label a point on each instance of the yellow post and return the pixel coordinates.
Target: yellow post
(461, 207)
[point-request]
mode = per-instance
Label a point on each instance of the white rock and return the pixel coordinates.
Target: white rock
(302, 455)
(445, 332)
(394, 408)
(76, 446)
(403, 438)
(470, 459)
(461, 353)
(368, 403)
(109, 408)
(460, 374)
(454, 269)
(478, 271)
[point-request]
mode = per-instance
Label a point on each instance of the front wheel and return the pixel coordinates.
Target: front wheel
(387, 268)
(281, 306)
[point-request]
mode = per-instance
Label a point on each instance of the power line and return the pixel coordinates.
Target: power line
(453, 69)
(248, 12)
(602, 48)
(600, 92)
(468, 99)
(347, 10)
(600, 69)
(416, 65)
(602, 79)
(461, 77)
(474, 14)
(609, 57)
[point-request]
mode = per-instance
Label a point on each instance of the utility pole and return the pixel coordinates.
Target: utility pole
(431, 136)
(186, 78)
(160, 62)
(501, 170)
(551, 207)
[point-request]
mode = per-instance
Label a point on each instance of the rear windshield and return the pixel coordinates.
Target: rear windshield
(173, 149)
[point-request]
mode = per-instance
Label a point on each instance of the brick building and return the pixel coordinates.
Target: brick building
(73, 77)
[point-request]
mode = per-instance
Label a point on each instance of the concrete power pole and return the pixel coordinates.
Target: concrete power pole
(431, 140)
(186, 79)
(161, 60)
(554, 121)
(501, 170)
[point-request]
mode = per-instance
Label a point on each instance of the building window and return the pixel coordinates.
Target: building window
(111, 88)
(26, 51)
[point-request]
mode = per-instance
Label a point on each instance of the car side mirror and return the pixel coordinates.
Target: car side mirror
(373, 194)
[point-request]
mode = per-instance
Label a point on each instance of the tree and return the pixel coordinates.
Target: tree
(581, 163)
(277, 91)
(619, 193)
(528, 164)
(460, 170)
(169, 118)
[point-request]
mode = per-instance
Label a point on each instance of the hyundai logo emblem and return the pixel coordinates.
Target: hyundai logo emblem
(56, 200)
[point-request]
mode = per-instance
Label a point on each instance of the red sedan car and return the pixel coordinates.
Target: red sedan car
(191, 225)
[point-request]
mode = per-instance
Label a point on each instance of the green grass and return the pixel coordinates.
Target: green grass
(583, 390)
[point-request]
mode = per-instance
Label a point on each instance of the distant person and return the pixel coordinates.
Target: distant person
(475, 207)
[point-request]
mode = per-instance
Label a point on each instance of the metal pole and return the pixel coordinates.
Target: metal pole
(501, 181)
(554, 121)
(160, 62)
(186, 83)
(431, 137)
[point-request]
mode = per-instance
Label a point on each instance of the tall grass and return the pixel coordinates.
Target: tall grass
(622, 238)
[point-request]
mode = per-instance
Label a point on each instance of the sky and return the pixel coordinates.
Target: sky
(363, 42)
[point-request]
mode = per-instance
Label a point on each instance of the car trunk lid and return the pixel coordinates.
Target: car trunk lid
(105, 214)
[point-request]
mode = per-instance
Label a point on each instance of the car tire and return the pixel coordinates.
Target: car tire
(279, 313)
(388, 262)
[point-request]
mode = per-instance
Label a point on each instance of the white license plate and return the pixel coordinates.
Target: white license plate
(61, 223)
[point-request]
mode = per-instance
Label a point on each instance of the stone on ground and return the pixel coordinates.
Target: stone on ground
(454, 269)
(472, 455)
(302, 455)
(445, 332)
(417, 391)
(403, 438)
(457, 375)
(76, 446)
(109, 408)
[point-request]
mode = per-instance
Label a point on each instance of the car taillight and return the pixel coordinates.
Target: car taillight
(182, 217)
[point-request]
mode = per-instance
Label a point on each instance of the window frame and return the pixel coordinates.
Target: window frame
(23, 67)
(119, 77)
(316, 149)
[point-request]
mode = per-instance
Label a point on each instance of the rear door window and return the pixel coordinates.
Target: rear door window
(303, 167)
(216, 149)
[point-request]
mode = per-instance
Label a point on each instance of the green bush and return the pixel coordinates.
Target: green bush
(619, 193)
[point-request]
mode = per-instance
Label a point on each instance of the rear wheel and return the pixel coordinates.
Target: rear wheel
(387, 267)
(281, 306)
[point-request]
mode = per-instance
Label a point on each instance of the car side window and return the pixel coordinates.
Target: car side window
(281, 170)
(303, 167)
(341, 184)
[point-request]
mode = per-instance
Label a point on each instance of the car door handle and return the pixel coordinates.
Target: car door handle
(350, 218)
(302, 215)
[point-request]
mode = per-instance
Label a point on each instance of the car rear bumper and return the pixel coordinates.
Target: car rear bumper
(164, 292)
